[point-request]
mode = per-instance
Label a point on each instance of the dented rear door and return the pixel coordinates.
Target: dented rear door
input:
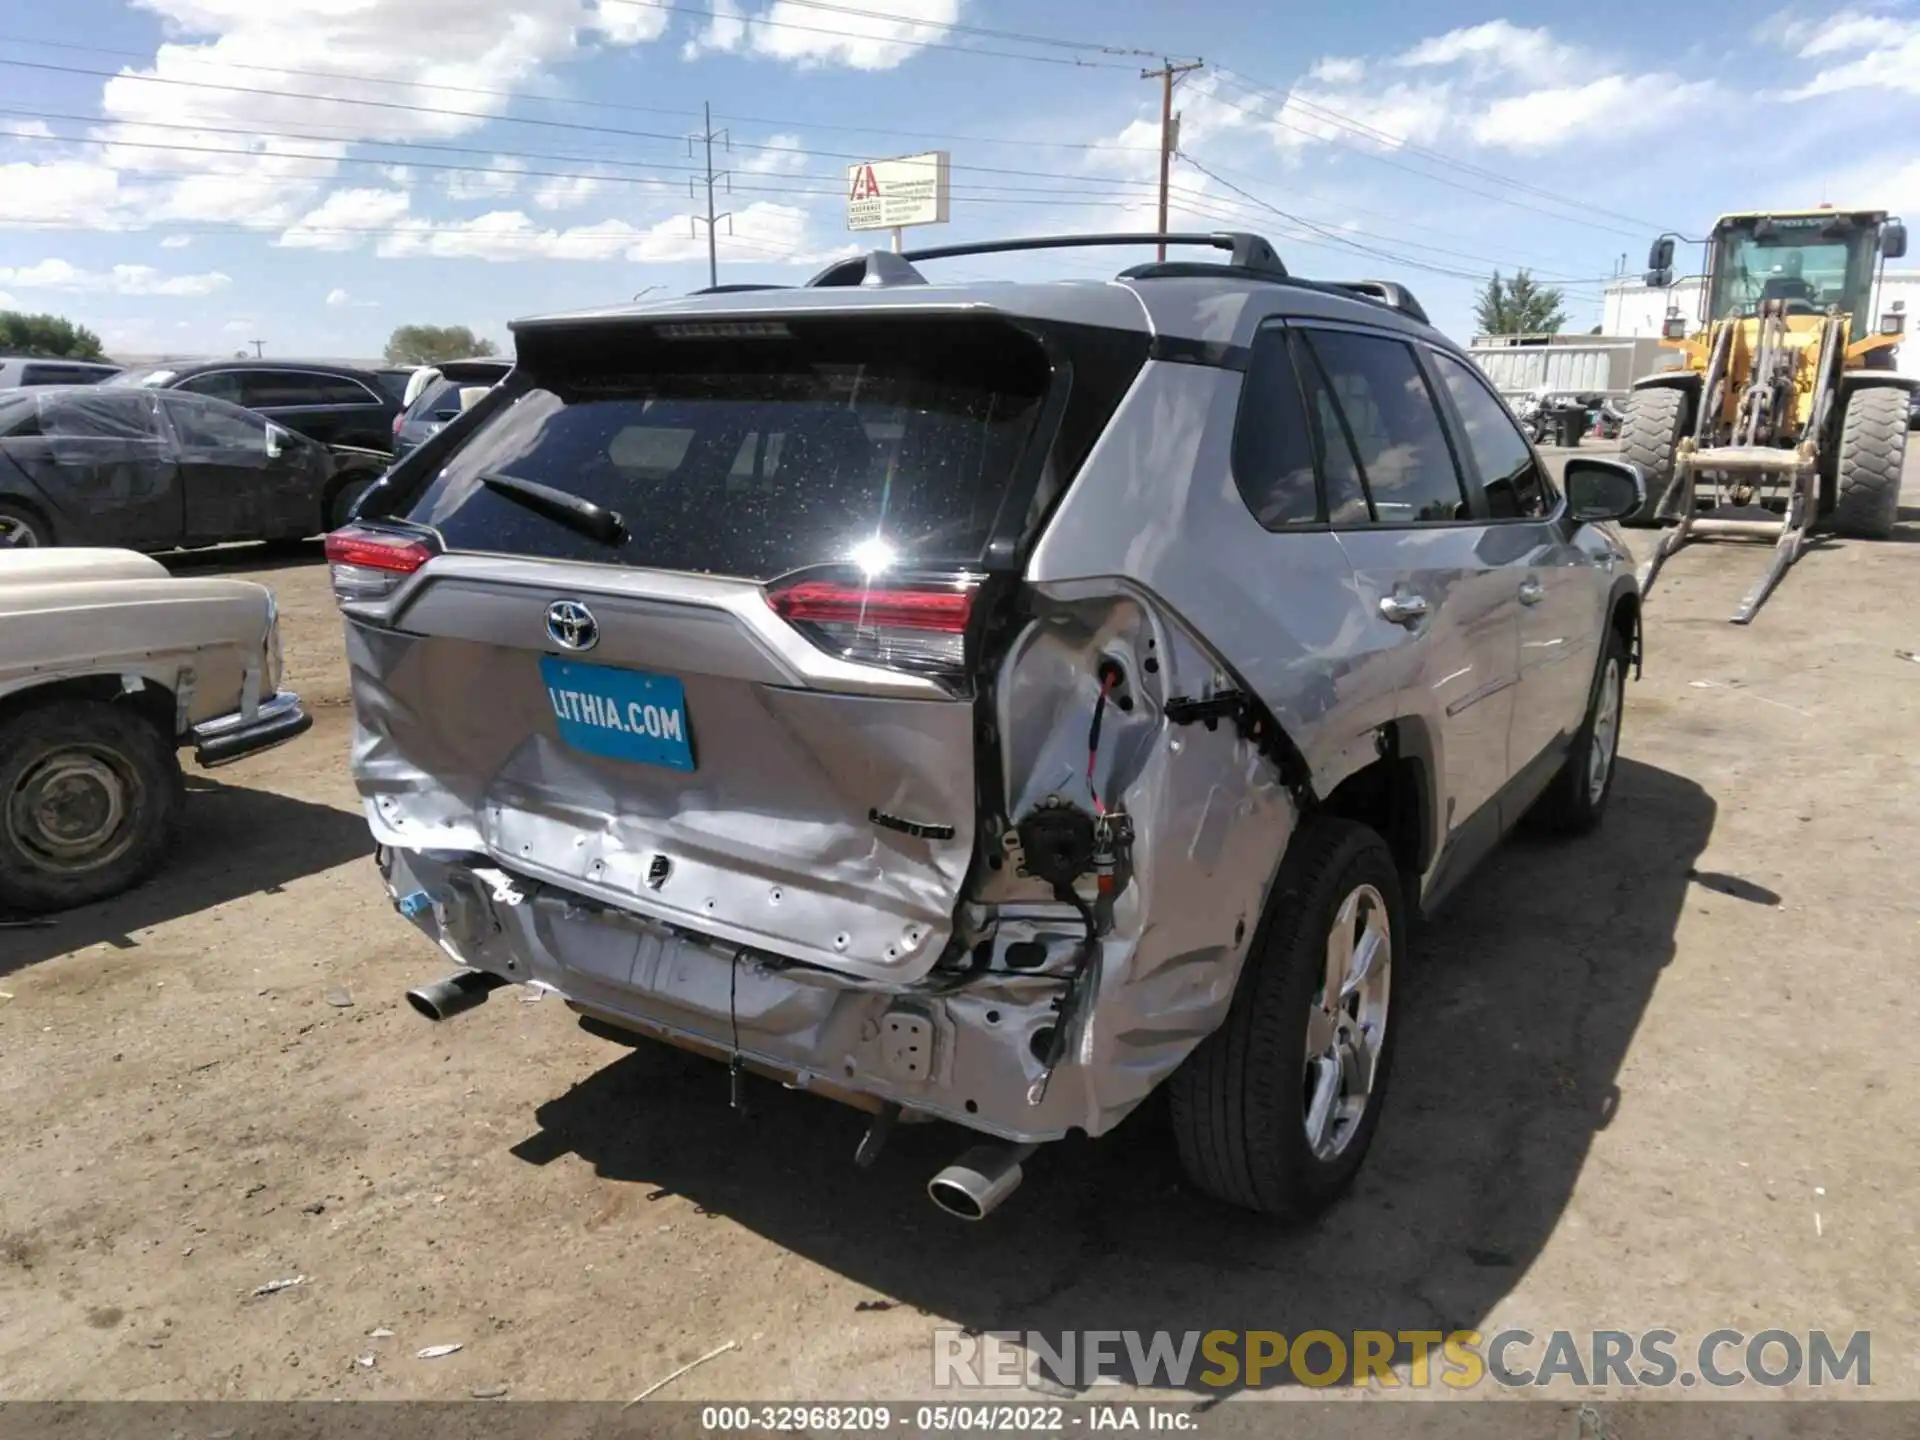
(750, 712)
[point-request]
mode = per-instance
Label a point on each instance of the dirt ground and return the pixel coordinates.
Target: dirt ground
(1657, 1078)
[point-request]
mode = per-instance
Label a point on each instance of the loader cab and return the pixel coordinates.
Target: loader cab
(1814, 261)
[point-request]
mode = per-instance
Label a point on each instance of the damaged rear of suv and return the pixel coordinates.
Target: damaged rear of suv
(985, 702)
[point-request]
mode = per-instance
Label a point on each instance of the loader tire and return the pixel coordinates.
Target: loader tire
(1649, 437)
(1873, 448)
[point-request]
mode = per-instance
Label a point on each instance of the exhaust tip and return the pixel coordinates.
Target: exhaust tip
(422, 1005)
(974, 1185)
(954, 1198)
(459, 992)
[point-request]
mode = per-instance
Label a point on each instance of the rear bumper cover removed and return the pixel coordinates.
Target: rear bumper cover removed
(967, 1056)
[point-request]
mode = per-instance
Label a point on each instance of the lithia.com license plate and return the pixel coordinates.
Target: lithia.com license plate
(620, 714)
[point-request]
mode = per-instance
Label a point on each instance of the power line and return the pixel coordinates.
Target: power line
(1348, 122)
(667, 5)
(611, 105)
(1273, 119)
(956, 27)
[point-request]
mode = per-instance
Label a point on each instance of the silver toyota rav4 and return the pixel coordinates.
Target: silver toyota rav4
(990, 701)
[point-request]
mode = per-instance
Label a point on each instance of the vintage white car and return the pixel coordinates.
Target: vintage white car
(109, 665)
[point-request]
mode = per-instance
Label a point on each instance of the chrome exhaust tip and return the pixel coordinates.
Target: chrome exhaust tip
(973, 1186)
(460, 991)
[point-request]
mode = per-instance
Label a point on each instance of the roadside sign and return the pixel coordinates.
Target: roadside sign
(892, 194)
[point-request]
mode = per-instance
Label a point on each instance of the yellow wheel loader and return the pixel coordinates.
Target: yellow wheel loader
(1785, 407)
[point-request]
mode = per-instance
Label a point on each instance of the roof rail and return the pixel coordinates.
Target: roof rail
(1394, 297)
(734, 289)
(881, 267)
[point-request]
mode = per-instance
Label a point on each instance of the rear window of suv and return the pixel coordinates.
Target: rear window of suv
(824, 442)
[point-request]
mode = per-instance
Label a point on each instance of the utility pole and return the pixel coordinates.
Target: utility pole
(706, 137)
(1169, 137)
(257, 351)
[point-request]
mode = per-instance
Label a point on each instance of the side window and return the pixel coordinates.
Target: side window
(1346, 495)
(1272, 447)
(213, 431)
(1389, 412)
(338, 390)
(57, 375)
(262, 388)
(220, 384)
(1506, 462)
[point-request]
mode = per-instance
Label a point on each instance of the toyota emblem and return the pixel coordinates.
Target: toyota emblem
(572, 626)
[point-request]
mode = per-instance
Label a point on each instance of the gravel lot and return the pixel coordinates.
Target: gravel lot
(1657, 1078)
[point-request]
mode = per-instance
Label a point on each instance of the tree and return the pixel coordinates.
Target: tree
(1519, 306)
(430, 344)
(50, 335)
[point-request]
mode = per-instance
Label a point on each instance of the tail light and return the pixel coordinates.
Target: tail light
(399, 424)
(368, 564)
(917, 624)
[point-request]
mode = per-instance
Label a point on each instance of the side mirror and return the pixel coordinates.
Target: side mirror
(1660, 257)
(1599, 490)
(1893, 240)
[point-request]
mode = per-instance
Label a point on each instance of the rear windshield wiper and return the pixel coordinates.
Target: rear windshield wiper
(596, 522)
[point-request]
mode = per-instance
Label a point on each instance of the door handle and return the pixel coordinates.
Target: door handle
(1531, 593)
(1404, 608)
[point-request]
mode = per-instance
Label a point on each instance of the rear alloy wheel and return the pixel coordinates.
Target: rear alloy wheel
(1275, 1111)
(1577, 798)
(88, 795)
(21, 529)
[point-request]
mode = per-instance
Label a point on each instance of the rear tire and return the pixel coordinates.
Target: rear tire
(1650, 430)
(1577, 799)
(22, 528)
(1245, 1104)
(89, 792)
(1873, 447)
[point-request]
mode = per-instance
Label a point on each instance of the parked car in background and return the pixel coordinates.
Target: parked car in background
(333, 404)
(439, 399)
(108, 667)
(154, 470)
(40, 370)
(988, 701)
(393, 379)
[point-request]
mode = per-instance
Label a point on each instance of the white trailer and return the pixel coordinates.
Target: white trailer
(1567, 364)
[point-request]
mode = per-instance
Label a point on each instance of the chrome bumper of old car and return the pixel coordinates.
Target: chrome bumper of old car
(226, 738)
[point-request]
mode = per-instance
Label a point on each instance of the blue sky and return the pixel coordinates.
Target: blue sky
(188, 176)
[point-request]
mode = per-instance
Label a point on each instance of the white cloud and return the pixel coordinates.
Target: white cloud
(1496, 45)
(26, 129)
(1625, 105)
(7, 302)
(337, 298)
(493, 184)
(809, 38)
(724, 33)
(120, 280)
(762, 232)
(342, 221)
(57, 193)
(384, 90)
(777, 154)
(1338, 70)
(176, 242)
(1497, 85)
(565, 192)
(1875, 52)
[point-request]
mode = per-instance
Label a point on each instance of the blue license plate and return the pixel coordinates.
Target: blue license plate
(621, 714)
